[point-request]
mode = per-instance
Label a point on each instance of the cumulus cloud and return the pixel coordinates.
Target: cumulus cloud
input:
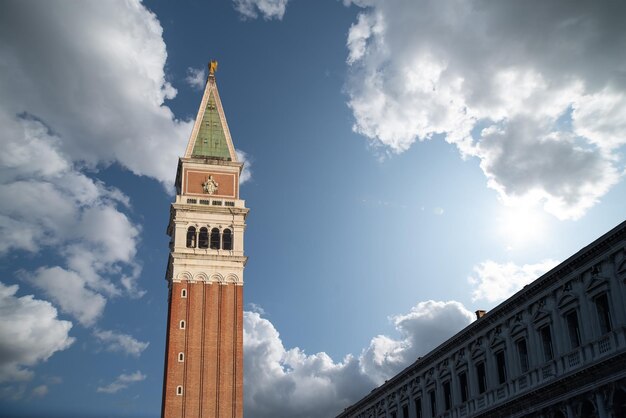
(520, 159)
(246, 173)
(425, 326)
(268, 9)
(60, 120)
(83, 88)
(50, 204)
(68, 290)
(494, 282)
(524, 87)
(196, 78)
(286, 383)
(30, 332)
(104, 96)
(282, 382)
(118, 342)
(122, 382)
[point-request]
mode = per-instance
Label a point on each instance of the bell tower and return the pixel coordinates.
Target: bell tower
(204, 345)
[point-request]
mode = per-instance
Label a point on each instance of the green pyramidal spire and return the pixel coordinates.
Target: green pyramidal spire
(210, 137)
(211, 140)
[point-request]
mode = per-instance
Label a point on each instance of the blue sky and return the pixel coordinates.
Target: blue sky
(410, 162)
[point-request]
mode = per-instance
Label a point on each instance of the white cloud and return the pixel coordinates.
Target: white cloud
(98, 255)
(601, 117)
(122, 382)
(196, 78)
(494, 282)
(118, 342)
(424, 327)
(287, 383)
(523, 159)
(40, 391)
(60, 120)
(253, 307)
(281, 382)
(56, 207)
(68, 290)
(30, 333)
(268, 9)
(549, 101)
(109, 107)
(246, 173)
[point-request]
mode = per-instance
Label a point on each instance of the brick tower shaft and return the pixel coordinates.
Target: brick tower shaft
(203, 374)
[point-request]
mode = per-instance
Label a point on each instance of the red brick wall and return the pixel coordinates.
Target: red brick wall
(211, 317)
(226, 350)
(212, 373)
(193, 352)
(238, 402)
(174, 374)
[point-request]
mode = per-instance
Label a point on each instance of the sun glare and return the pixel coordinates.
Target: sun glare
(520, 225)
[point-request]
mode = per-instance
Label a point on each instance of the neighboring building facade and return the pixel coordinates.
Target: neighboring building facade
(555, 349)
(204, 348)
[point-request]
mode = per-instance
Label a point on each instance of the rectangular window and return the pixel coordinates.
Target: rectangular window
(522, 353)
(418, 407)
(433, 403)
(463, 386)
(604, 314)
(573, 329)
(546, 341)
(482, 377)
(501, 363)
(393, 415)
(405, 411)
(447, 395)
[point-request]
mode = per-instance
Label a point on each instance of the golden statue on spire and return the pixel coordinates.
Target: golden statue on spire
(212, 68)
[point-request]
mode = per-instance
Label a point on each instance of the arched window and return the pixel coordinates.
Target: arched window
(227, 239)
(181, 357)
(183, 293)
(182, 324)
(191, 237)
(215, 239)
(604, 313)
(179, 390)
(203, 238)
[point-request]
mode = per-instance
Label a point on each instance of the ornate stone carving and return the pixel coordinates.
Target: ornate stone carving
(210, 186)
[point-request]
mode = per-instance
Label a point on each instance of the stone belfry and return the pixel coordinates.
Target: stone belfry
(204, 347)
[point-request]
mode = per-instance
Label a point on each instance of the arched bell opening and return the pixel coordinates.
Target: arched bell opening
(227, 239)
(203, 238)
(191, 237)
(215, 239)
